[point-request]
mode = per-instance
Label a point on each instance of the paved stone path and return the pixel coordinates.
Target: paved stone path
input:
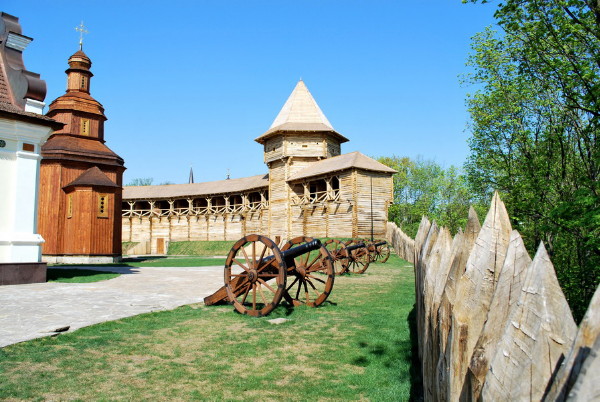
(37, 310)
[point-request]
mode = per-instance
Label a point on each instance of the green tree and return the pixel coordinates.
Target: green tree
(422, 187)
(535, 123)
(141, 181)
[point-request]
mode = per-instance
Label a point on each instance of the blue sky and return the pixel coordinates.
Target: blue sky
(194, 82)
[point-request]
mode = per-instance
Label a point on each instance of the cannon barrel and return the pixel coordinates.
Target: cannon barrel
(294, 252)
(301, 249)
(355, 246)
(381, 243)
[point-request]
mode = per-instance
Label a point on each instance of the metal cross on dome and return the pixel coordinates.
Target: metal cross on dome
(81, 29)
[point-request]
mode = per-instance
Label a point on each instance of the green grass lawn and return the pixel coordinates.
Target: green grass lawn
(201, 248)
(358, 345)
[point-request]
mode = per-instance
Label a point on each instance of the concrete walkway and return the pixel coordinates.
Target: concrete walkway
(40, 309)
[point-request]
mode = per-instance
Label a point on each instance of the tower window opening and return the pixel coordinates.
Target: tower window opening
(83, 82)
(335, 183)
(85, 127)
(102, 205)
(70, 206)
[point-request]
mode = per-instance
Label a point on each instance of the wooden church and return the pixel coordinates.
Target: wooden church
(80, 177)
(311, 189)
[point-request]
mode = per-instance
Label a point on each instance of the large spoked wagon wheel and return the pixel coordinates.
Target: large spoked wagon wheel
(336, 250)
(255, 275)
(359, 261)
(372, 250)
(383, 253)
(310, 280)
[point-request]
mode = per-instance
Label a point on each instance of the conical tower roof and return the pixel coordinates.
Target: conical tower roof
(300, 113)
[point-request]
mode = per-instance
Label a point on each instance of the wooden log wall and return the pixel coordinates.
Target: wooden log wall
(401, 242)
(493, 323)
(151, 231)
(372, 198)
(84, 232)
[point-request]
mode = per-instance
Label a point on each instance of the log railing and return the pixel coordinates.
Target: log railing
(196, 211)
(317, 198)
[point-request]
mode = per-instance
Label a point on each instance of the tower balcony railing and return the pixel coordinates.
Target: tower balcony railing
(316, 198)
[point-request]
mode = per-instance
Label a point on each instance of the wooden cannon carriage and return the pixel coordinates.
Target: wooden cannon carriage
(379, 252)
(258, 274)
(351, 256)
(354, 256)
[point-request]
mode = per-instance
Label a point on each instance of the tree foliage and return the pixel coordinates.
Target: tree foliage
(535, 123)
(141, 181)
(422, 187)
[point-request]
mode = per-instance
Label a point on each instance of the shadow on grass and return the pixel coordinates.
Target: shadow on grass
(416, 388)
(78, 275)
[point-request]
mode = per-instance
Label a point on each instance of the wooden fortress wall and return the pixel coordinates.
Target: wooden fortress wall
(154, 233)
(354, 213)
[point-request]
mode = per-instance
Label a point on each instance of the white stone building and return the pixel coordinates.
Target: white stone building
(23, 130)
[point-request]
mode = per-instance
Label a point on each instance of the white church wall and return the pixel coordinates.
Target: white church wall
(19, 175)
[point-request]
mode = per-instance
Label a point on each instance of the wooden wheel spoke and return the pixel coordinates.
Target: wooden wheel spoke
(262, 295)
(314, 288)
(246, 255)
(313, 261)
(241, 265)
(246, 294)
(306, 293)
(307, 256)
(262, 254)
(266, 285)
(292, 285)
(318, 268)
(260, 269)
(316, 279)
(254, 296)
(298, 291)
(240, 287)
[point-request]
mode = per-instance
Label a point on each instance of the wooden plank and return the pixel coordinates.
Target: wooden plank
(572, 367)
(475, 290)
(503, 305)
(537, 335)
(435, 270)
(586, 386)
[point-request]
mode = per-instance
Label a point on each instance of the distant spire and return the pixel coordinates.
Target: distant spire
(191, 175)
(227, 174)
(81, 29)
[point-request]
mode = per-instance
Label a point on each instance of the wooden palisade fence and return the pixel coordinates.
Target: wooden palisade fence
(494, 324)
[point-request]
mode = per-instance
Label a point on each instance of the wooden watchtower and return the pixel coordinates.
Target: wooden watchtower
(313, 189)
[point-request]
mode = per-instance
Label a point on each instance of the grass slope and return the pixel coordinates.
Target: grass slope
(357, 346)
(202, 248)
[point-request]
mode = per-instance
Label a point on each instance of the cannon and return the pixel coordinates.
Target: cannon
(351, 256)
(257, 273)
(379, 251)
